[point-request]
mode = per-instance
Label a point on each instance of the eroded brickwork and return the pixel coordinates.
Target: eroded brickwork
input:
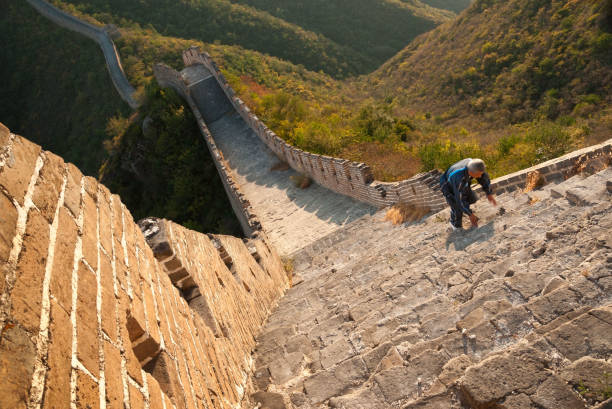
(89, 318)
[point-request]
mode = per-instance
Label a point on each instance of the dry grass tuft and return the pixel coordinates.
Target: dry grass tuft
(301, 181)
(533, 200)
(289, 267)
(404, 212)
(535, 180)
(280, 165)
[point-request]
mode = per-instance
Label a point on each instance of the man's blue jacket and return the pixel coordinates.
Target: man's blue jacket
(456, 183)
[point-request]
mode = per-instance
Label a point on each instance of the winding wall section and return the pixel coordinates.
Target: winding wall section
(100, 36)
(340, 175)
(291, 217)
(245, 150)
(355, 179)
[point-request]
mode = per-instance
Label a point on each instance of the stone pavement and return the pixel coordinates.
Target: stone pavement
(514, 314)
(291, 217)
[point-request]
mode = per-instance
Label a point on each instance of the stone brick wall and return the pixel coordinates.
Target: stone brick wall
(349, 178)
(356, 180)
(167, 77)
(557, 169)
(91, 315)
(100, 36)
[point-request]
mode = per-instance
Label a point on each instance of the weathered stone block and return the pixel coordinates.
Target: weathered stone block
(112, 375)
(549, 307)
(87, 320)
(136, 398)
(155, 393)
(135, 322)
(8, 223)
(57, 388)
(72, 194)
(269, 400)
(103, 199)
(497, 377)
(109, 325)
(17, 356)
(87, 392)
(16, 174)
(90, 232)
(27, 292)
(554, 393)
(63, 260)
(49, 185)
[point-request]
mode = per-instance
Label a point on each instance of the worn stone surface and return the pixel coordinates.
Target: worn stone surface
(485, 316)
(292, 217)
(17, 356)
(513, 313)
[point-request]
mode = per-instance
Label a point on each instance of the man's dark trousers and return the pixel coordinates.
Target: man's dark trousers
(468, 196)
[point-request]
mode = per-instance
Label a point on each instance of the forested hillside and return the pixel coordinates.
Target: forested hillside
(515, 82)
(340, 38)
(56, 89)
(57, 92)
(454, 5)
(374, 28)
(509, 61)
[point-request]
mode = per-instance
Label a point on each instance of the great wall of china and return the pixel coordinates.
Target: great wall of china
(97, 311)
(100, 36)
(93, 316)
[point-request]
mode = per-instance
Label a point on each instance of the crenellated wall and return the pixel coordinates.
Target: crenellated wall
(346, 177)
(167, 77)
(100, 36)
(94, 313)
(355, 179)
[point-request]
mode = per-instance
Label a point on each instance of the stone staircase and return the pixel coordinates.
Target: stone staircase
(514, 314)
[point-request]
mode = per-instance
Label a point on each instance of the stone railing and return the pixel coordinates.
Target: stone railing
(556, 169)
(167, 77)
(346, 177)
(355, 179)
(93, 310)
(100, 36)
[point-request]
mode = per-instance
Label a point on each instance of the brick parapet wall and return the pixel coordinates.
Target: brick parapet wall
(89, 317)
(555, 169)
(102, 36)
(355, 179)
(167, 77)
(349, 178)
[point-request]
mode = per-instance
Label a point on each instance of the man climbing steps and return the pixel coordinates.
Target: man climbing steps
(455, 185)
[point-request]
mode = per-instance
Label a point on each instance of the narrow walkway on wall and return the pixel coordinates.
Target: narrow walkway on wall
(100, 36)
(291, 217)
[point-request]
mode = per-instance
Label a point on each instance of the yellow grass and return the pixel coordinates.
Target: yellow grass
(301, 181)
(535, 180)
(280, 165)
(404, 212)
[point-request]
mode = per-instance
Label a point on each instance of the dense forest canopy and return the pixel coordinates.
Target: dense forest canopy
(339, 37)
(56, 89)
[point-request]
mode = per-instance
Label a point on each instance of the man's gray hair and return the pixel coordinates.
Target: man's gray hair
(476, 165)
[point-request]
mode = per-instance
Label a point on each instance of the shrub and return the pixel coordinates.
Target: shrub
(549, 139)
(440, 155)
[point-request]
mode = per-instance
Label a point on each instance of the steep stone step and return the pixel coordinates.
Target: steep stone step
(395, 320)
